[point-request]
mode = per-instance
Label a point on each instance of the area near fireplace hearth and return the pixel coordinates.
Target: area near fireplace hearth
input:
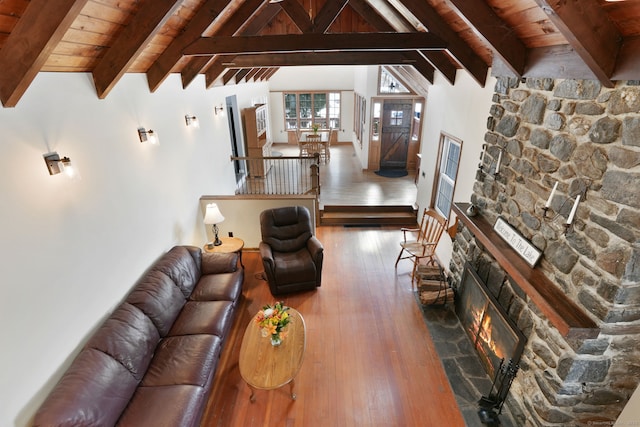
(579, 306)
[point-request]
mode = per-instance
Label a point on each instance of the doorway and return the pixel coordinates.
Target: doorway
(235, 132)
(395, 133)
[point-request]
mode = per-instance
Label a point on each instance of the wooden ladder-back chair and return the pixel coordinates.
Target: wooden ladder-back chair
(423, 247)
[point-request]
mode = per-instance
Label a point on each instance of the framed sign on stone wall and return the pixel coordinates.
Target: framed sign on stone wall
(522, 246)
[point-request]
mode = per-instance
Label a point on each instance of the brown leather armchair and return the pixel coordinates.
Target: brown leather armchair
(292, 256)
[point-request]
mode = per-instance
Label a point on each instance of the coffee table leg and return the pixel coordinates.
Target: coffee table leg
(293, 395)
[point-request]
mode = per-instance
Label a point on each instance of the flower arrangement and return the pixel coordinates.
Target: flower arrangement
(315, 128)
(272, 320)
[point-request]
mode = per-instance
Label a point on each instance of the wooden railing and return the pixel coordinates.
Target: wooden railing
(279, 175)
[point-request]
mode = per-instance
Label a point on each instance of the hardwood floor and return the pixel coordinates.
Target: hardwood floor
(369, 358)
(343, 182)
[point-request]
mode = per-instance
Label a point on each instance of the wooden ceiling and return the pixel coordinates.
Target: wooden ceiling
(231, 41)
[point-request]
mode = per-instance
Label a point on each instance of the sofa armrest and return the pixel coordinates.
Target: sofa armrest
(217, 263)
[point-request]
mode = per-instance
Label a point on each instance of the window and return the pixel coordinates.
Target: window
(303, 110)
(447, 172)
(359, 116)
(390, 84)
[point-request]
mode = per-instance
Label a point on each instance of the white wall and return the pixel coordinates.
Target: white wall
(460, 111)
(70, 250)
(311, 78)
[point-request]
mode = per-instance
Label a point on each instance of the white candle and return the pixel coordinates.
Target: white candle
(497, 171)
(553, 192)
(573, 210)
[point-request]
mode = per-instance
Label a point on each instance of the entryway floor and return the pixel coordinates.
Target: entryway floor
(461, 364)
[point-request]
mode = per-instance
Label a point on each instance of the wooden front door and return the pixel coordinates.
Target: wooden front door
(395, 133)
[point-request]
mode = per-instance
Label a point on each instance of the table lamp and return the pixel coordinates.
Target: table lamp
(213, 216)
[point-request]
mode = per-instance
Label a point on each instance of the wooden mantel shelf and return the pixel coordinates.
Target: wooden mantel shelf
(561, 311)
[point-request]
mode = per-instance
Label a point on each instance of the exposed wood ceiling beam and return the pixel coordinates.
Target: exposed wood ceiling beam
(203, 18)
(314, 42)
(298, 15)
(327, 15)
(249, 9)
(628, 60)
(321, 58)
(588, 30)
(462, 53)
(479, 15)
(421, 65)
(437, 59)
(131, 42)
(37, 33)
(256, 24)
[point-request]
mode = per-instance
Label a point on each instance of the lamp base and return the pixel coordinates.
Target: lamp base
(217, 242)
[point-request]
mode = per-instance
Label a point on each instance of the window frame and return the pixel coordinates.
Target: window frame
(442, 172)
(332, 101)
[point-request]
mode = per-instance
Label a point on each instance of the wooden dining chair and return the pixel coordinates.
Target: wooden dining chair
(313, 144)
(426, 240)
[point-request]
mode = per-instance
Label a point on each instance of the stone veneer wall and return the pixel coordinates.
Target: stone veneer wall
(581, 135)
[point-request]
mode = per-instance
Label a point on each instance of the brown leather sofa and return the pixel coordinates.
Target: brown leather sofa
(152, 361)
(291, 255)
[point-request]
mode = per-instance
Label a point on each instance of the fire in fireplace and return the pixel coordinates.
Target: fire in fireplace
(497, 340)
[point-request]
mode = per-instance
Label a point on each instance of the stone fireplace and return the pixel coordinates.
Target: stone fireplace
(492, 333)
(579, 307)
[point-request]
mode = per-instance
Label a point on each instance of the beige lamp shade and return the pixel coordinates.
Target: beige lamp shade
(213, 214)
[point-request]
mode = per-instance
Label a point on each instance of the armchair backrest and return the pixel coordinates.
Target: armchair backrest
(431, 227)
(286, 229)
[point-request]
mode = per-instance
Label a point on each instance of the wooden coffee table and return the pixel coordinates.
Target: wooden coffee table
(266, 367)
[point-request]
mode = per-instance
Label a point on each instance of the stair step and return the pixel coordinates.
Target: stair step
(362, 208)
(368, 215)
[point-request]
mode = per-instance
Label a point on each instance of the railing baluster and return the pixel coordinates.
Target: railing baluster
(279, 175)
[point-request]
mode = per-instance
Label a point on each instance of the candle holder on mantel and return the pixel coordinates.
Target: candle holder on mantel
(496, 171)
(581, 195)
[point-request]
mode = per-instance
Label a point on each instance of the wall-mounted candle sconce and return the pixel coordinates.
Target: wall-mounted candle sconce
(147, 136)
(191, 121)
(481, 166)
(219, 109)
(581, 195)
(55, 165)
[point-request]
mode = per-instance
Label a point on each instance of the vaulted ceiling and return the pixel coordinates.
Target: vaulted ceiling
(234, 41)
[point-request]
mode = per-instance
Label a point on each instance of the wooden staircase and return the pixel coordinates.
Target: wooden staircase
(354, 215)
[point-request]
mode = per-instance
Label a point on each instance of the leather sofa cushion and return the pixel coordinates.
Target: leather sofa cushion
(159, 298)
(204, 317)
(175, 405)
(128, 336)
(93, 374)
(185, 359)
(181, 267)
(294, 267)
(223, 286)
(215, 263)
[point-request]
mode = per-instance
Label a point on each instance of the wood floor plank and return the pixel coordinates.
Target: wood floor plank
(369, 359)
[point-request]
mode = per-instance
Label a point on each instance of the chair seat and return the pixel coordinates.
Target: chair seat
(418, 249)
(293, 267)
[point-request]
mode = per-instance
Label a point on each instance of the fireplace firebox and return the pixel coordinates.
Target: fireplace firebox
(494, 335)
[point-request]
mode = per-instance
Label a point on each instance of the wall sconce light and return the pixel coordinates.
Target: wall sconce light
(581, 195)
(219, 109)
(191, 121)
(481, 165)
(213, 216)
(147, 136)
(55, 165)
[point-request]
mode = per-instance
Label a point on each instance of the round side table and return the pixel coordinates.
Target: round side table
(229, 245)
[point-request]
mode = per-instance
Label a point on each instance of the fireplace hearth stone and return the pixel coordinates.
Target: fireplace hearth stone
(462, 365)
